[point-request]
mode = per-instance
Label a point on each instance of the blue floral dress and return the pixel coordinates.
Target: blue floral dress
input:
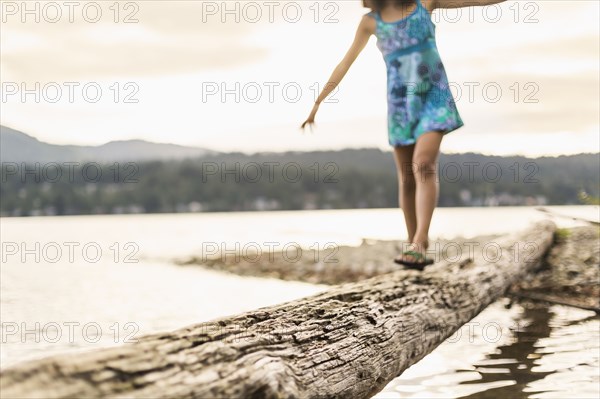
(418, 94)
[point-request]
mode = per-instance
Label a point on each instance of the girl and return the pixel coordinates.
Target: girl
(421, 108)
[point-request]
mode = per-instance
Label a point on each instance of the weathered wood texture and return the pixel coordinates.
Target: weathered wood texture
(348, 342)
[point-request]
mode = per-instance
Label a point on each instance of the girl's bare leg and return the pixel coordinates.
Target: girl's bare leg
(425, 163)
(406, 187)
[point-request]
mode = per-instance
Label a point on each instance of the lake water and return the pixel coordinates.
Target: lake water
(79, 283)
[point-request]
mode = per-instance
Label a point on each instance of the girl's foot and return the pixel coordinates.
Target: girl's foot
(414, 257)
(416, 246)
(403, 244)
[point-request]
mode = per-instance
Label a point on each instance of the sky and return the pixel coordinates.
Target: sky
(242, 76)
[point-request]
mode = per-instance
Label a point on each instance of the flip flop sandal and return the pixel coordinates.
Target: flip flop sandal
(418, 265)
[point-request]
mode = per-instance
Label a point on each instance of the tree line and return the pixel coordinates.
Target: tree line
(364, 178)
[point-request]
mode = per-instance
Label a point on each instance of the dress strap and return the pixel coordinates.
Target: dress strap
(374, 14)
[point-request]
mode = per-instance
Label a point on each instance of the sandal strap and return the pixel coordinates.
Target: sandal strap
(416, 254)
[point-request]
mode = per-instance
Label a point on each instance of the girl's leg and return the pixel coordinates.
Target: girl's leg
(406, 187)
(425, 162)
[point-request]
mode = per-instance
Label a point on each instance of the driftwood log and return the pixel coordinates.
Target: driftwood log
(347, 342)
(571, 273)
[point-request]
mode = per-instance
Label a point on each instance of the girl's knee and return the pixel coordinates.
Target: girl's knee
(424, 166)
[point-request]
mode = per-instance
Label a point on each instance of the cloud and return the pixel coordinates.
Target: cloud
(174, 49)
(170, 37)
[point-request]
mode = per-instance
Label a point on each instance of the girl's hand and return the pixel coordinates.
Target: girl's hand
(311, 118)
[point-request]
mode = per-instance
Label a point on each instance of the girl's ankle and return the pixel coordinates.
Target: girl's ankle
(421, 242)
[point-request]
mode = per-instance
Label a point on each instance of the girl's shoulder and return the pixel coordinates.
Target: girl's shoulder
(370, 23)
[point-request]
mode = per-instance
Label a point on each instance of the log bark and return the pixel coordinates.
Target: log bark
(347, 342)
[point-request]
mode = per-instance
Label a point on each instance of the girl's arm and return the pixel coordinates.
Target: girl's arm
(462, 3)
(365, 29)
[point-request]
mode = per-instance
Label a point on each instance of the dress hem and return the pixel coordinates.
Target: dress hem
(412, 141)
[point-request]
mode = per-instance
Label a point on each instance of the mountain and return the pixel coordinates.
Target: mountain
(16, 146)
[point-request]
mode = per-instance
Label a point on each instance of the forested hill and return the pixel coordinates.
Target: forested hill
(364, 178)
